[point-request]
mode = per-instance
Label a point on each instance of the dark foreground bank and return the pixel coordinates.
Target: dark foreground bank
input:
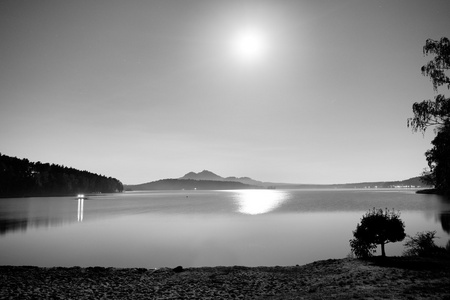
(394, 278)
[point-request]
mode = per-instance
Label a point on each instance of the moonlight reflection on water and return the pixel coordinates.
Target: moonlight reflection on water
(254, 202)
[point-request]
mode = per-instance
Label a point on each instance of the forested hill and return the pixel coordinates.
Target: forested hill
(22, 178)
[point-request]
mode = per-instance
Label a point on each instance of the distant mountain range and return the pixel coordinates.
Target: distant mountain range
(208, 175)
(207, 180)
(188, 184)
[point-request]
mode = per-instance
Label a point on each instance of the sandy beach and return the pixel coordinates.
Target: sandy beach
(392, 278)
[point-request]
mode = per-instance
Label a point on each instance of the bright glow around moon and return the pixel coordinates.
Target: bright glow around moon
(249, 45)
(255, 202)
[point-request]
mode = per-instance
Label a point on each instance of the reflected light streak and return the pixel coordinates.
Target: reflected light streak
(254, 202)
(80, 209)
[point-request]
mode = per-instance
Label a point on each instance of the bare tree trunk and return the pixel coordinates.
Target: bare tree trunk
(383, 253)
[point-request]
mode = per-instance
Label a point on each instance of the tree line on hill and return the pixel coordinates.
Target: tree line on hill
(22, 178)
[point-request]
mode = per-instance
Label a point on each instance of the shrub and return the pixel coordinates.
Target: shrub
(422, 244)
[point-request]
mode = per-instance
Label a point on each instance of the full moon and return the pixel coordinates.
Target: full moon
(249, 45)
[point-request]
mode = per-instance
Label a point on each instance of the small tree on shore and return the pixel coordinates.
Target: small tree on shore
(377, 227)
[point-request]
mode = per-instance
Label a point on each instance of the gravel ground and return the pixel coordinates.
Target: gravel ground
(391, 278)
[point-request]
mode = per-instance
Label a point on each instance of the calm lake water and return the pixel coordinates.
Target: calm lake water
(203, 228)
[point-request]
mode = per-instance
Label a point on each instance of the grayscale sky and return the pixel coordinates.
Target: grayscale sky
(145, 90)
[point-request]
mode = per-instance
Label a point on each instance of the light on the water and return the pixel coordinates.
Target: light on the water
(80, 208)
(255, 202)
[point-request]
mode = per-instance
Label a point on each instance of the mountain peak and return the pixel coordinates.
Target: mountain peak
(189, 174)
(206, 172)
(208, 175)
(203, 175)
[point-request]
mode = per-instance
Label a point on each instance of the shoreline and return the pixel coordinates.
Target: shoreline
(392, 277)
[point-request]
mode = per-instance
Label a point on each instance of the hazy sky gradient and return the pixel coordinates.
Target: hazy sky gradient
(145, 90)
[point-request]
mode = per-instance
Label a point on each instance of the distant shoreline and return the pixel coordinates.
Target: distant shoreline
(393, 277)
(207, 180)
(419, 191)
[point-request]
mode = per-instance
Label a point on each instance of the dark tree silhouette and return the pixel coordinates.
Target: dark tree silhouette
(445, 221)
(377, 227)
(21, 178)
(436, 113)
(438, 159)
